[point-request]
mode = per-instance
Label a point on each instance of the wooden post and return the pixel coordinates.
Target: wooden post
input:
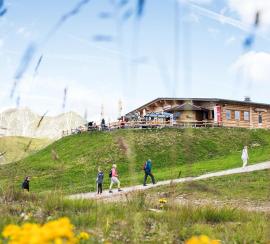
(250, 117)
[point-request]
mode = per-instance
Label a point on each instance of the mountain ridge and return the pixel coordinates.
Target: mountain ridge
(24, 122)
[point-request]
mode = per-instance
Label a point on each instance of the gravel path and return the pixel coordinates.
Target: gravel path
(116, 194)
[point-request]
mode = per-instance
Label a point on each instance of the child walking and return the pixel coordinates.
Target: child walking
(25, 184)
(99, 181)
(114, 178)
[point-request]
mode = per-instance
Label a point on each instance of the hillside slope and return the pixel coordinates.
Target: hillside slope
(13, 148)
(70, 164)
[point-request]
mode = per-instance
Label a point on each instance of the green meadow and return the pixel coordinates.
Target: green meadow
(70, 164)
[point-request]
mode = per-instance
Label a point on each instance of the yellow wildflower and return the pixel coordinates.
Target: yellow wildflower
(162, 200)
(203, 239)
(83, 236)
(58, 241)
(57, 231)
(10, 231)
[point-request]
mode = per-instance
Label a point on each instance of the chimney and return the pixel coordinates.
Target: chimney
(247, 99)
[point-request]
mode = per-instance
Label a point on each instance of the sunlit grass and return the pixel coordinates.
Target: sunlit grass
(14, 147)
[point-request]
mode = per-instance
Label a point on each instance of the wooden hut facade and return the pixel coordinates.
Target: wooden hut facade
(209, 111)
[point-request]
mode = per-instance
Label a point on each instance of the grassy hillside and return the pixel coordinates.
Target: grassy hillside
(174, 223)
(15, 146)
(70, 164)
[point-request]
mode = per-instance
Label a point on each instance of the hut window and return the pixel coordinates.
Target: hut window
(205, 115)
(237, 115)
(260, 118)
(176, 115)
(228, 114)
(246, 116)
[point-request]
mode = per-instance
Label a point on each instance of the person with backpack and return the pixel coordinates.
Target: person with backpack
(114, 178)
(148, 171)
(99, 180)
(25, 184)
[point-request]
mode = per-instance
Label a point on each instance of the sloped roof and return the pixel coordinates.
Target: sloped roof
(186, 107)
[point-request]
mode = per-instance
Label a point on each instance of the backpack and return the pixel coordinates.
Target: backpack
(110, 174)
(147, 166)
(144, 165)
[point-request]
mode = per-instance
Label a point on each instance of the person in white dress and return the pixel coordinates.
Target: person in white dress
(245, 156)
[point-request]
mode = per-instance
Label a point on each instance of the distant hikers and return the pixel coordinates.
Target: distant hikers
(25, 184)
(148, 171)
(244, 156)
(99, 181)
(114, 178)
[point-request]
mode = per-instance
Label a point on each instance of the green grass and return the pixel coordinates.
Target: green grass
(251, 187)
(191, 151)
(133, 222)
(15, 146)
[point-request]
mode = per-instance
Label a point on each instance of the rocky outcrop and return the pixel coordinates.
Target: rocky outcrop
(24, 122)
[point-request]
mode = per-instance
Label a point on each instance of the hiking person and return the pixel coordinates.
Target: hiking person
(244, 156)
(99, 181)
(103, 124)
(148, 171)
(25, 184)
(114, 178)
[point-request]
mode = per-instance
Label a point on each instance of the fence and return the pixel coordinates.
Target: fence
(141, 125)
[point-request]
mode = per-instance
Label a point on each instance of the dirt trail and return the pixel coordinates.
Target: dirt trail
(116, 195)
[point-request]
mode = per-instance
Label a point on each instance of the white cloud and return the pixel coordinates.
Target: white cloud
(247, 10)
(46, 93)
(223, 10)
(21, 30)
(219, 17)
(24, 32)
(230, 40)
(253, 66)
(213, 31)
(191, 18)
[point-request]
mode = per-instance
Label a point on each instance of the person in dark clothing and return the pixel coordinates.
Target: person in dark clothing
(99, 181)
(148, 171)
(25, 184)
(103, 124)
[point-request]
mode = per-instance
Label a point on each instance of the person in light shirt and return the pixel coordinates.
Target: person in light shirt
(244, 156)
(114, 178)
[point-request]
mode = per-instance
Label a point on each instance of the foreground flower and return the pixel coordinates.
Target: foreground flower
(10, 231)
(83, 236)
(56, 231)
(203, 239)
(163, 200)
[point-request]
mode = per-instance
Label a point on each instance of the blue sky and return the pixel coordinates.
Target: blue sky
(137, 65)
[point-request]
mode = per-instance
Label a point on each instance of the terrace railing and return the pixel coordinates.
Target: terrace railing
(143, 125)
